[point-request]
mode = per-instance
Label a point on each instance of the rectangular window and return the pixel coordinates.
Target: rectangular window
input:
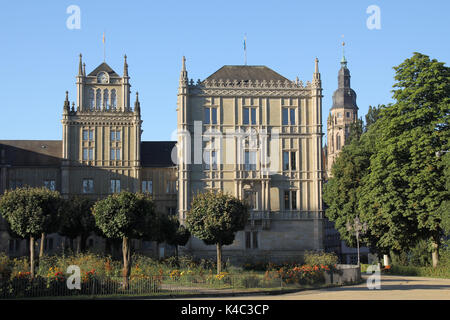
(250, 160)
(115, 135)
(289, 160)
(255, 239)
(210, 115)
(85, 135)
(285, 160)
(214, 160)
(214, 115)
(338, 142)
(171, 187)
(246, 116)
(88, 135)
(253, 115)
(50, 184)
(250, 198)
(249, 116)
(290, 200)
(293, 160)
(85, 154)
(115, 186)
(117, 154)
(207, 115)
(292, 116)
(248, 240)
(88, 185)
(147, 186)
(91, 154)
(285, 116)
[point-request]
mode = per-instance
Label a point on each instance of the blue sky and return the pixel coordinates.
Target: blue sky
(39, 54)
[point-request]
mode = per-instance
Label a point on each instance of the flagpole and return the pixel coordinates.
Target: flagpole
(245, 49)
(104, 50)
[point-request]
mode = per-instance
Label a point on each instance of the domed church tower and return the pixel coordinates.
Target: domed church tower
(343, 113)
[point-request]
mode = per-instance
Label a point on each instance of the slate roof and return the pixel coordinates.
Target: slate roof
(47, 153)
(157, 153)
(103, 67)
(243, 73)
(35, 153)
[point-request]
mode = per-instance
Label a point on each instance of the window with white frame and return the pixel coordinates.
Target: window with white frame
(289, 160)
(88, 185)
(288, 116)
(50, 184)
(147, 186)
(210, 116)
(250, 160)
(251, 199)
(115, 135)
(115, 186)
(88, 154)
(88, 135)
(290, 200)
(171, 187)
(115, 154)
(249, 115)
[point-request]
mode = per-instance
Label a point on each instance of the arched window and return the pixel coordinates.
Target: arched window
(106, 99)
(91, 99)
(113, 99)
(98, 100)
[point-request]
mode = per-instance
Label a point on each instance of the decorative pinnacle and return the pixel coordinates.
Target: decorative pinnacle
(84, 69)
(316, 69)
(125, 66)
(80, 70)
(137, 104)
(183, 65)
(343, 60)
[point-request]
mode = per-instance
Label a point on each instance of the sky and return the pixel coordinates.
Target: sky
(39, 52)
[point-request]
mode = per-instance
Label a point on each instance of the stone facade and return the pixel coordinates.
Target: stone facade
(100, 153)
(252, 133)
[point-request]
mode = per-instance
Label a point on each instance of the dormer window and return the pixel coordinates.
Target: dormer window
(102, 77)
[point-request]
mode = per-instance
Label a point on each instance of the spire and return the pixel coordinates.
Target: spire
(66, 103)
(137, 104)
(343, 60)
(125, 66)
(183, 75)
(84, 69)
(316, 69)
(80, 69)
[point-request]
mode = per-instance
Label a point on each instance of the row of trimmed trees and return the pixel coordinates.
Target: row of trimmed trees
(33, 212)
(395, 172)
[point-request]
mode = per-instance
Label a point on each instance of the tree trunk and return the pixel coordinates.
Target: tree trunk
(83, 239)
(32, 256)
(219, 258)
(126, 261)
(41, 251)
(78, 244)
(435, 253)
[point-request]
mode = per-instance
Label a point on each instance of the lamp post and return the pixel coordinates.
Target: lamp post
(358, 228)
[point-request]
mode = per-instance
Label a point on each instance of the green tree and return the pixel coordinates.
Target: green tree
(30, 212)
(215, 218)
(76, 220)
(373, 114)
(406, 186)
(125, 216)
(177, 235)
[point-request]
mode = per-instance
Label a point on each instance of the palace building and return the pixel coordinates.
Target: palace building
(250, 132)
(244, 130)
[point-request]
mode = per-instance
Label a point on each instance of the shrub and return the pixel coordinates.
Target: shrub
(320, 258)
(250, 281)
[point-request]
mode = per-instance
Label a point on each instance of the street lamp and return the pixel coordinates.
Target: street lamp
(358, 228)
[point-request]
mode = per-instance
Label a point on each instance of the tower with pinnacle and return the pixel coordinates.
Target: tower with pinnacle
(343, 113)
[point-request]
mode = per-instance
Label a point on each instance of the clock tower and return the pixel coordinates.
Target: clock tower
(101, 134)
